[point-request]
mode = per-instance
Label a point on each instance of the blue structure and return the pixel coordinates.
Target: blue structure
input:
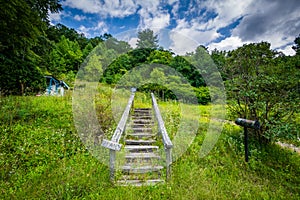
(54, 86)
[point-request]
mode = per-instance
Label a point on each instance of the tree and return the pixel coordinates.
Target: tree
(66, 56)
(147, 39)
(25, 22)
(297, 45)
(262, 86)
(54, 33)
(219, 58)
(160, 56)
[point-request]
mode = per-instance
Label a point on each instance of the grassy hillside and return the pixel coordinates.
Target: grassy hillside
(42, 157)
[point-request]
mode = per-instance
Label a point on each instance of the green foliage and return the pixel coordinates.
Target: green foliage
(124, 63)
(297, 45)
(147, 39)
(188, 70)
(42, 157)
(54, 33)
(219, 58)
(25, 22)
(152, 67)
(66, 56)
(263, 87)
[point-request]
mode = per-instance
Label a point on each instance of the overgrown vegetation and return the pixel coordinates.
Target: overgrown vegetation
(42, 157)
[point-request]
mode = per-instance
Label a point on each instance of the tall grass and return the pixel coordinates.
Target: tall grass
(42, 157)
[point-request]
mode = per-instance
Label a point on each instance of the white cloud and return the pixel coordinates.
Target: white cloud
(204, 30)
(87, 6)
(55, 17)
(171, 2)
(156, 22)
(274, 21)
(133, 42)
(79, 17)
(196, 36)
(287, 50)
(182, 43)
(175, 9)
(229, 43)
(277, 22)
(84, 30)
(99, 29)
(107, 8)
(228, 11)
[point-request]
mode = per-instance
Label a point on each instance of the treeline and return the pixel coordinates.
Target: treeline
(30, 47)
(261, 83)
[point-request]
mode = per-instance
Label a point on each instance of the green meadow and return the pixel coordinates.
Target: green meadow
(42, 157)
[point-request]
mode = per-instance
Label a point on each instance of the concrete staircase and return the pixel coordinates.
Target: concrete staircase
(142, 160)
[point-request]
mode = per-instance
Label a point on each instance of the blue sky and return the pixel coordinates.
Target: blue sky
(185, 24)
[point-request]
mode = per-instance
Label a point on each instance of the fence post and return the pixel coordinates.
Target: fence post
(112, 160)
(169, 161)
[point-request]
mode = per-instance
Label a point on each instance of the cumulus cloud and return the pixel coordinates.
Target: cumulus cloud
(132, 42)
(274, 21)
(57, 17)
(99, 29)
(229, 43)
(268, 17)
(88, 6)
(227, 11)
(155, 21)
(105, 8)
(287, 50)
(192, 30)
(79, 17)
(181, 44)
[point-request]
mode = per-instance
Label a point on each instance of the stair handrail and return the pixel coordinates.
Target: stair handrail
(113, 145)
(165, 137)
(122, 123)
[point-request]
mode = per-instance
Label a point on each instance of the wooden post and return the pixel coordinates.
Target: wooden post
(246, 144)
(112, 160)
(169, 161)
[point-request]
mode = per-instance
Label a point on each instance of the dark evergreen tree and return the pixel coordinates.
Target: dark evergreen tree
(147, 39)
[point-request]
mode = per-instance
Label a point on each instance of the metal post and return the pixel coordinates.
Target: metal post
(112, 160)
(246, 143)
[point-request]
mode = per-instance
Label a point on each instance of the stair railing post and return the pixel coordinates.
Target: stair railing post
(112, 161)
(169, 161)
